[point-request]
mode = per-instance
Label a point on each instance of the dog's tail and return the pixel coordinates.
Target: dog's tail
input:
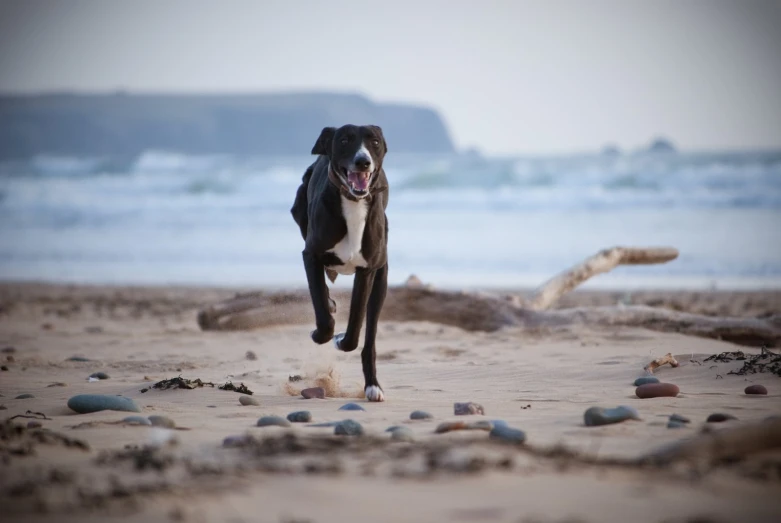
(300, 205)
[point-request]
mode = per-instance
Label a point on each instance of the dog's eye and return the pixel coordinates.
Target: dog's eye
(344, 141)
(376, 143)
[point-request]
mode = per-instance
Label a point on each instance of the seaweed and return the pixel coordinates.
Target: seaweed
(183, 383)
(765, 361)
(241, 389)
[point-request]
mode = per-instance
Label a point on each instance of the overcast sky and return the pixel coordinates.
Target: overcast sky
(508, 76)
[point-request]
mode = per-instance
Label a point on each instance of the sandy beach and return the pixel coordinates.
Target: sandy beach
(540, 382)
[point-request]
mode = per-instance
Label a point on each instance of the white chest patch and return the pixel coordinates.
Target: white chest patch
(349, 248)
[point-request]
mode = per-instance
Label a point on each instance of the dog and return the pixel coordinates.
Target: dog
(340, 209)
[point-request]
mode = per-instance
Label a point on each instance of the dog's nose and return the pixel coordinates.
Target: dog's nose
(363, 162)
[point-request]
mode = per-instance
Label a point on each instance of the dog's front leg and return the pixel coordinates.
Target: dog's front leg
(372, 387)
(348, 341)
(315, 276)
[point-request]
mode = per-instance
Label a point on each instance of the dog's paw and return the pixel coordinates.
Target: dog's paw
(342, 344)
(374, 393)
(320, 337)
(338, 341)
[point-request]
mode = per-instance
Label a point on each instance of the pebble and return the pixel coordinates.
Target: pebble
(403, 434)
(481, 425)
(57, 384)
(314, 392)
(507, 434)
(137, 420)
(301, 416)
(34, 425)
(718, 417)
(465, 409)
(597, 416)
(756, 389)
(86, 403)
(273, 421)
(394, 427)
(348, 427)
(78, 358)
(3, 367)
(449, 426)
(8, 350)
(249, 400)
(251, 356)
(162, 421)
(679, 418)
(673, 424)
(645, 380)
(99, 375)
(657, 390)
(420, 414)
(24, 397)
(351, 406)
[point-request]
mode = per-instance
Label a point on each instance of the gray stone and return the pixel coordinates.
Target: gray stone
(301, 416)
(596, 416)
(673, 424)
(249, 400)
(24, 397)
(348, 427)
(678, 418)
(162, 421)
(403, 434)
(86, 403)
(645, 380)
(393, 427)
(420, 414)
(273, 421)
(99, 375)
(137, 420)
(467, 408)
(507, 434)
(351, 406)
(718, 417)
(78, 358)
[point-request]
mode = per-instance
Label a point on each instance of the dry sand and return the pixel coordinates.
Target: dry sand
(540, 382)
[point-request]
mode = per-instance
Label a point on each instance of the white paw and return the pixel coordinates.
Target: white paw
(338, 339)
(374, 393)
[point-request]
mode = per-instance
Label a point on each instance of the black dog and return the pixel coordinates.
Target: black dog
(340, 208)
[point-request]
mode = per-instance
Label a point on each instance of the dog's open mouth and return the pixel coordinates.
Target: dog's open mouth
(358, 182)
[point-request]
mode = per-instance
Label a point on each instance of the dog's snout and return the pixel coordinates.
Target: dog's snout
(363, 162)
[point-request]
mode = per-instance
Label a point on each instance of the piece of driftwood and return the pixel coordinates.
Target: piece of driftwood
(658, 362)
(488, 312)
(719, 445)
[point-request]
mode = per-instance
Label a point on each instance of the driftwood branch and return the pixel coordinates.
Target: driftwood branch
(658, 362)
(486, 312)
(603, 261)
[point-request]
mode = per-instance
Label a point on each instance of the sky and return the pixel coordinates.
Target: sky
(509, 77)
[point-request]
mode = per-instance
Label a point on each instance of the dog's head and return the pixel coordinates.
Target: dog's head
(356, 154)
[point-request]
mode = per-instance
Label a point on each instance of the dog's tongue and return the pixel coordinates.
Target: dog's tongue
(359, 181)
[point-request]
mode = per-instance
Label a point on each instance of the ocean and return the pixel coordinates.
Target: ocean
(456, 221)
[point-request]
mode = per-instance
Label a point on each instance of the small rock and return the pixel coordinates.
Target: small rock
(450, 426)
(3, 407)
(3, 367)
(301, 416)
(314, 392)
(295, 378)
(756, 389)
(673, 424)
(78, 358)
(86, 403)
(394, 427)
(137, 420)
(34, 425)
(57, 384)
(507, 434)
(162, 421)
(718, 417)
(678, 418)
(468, 408)
(351, 406)
(251, 356)
(99, 375)
(249, 400)
(348, 427)
(24, 397)
(273, 421)
(483, 424)
(8, 350)
(645, 380)
(236, 441)
(10, 359)
(657, 390)
(597, 416)
(420, 414)
(403, 434)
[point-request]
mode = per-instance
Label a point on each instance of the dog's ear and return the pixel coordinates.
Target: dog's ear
(377, 129)
(325, 141)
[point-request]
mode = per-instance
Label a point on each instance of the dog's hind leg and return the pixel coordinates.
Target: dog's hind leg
(362, 285)
(315, 275)
(372, 388)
